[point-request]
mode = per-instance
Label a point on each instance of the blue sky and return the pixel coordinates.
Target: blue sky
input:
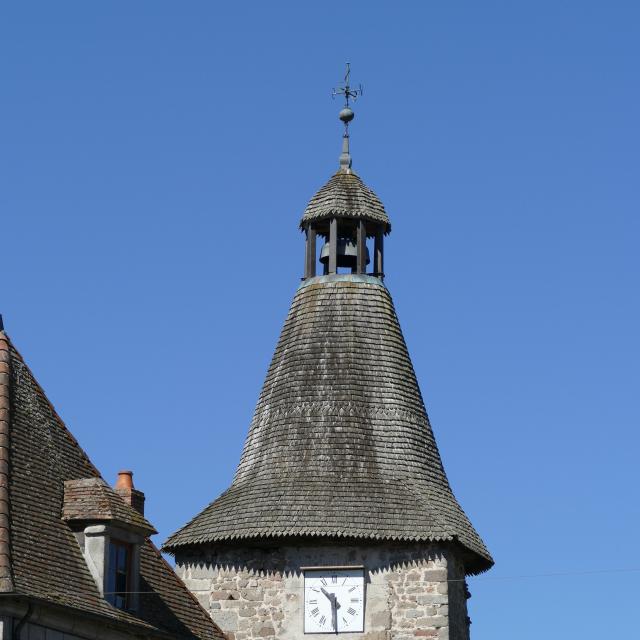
(156, 157)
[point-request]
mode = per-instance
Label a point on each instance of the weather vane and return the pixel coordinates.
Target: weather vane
(347, 115)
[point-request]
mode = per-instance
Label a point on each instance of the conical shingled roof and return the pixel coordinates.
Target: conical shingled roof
(345, 196)
(340, 445)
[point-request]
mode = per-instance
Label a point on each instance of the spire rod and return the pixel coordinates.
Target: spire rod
(346, 115)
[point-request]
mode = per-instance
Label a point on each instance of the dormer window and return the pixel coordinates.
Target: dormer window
(119, 578)
(110, 528)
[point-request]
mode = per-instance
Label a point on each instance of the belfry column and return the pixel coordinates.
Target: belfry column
(333, 246)
(361, 244)
(378, 253)
(310, 254)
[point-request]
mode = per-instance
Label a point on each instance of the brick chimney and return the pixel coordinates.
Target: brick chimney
(125, 489)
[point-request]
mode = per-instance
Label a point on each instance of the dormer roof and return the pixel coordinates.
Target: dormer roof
(93, 500)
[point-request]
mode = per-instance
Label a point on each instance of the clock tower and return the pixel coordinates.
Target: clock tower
(340, 518)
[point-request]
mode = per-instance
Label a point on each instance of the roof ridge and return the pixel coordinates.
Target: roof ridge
(6, 579)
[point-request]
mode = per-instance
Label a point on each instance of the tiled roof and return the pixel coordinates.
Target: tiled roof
(45, 560)
(340, 445)
(91, 499)
(345, 196)
(6, 582)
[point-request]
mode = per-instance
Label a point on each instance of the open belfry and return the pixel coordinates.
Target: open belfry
(340, 518)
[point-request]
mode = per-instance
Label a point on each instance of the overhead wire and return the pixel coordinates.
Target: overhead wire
(554, 574)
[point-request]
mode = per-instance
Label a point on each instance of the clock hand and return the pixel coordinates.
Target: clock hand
(335, 605)
(334, 612)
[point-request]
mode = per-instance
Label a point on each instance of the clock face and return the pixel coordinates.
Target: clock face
(333, 600)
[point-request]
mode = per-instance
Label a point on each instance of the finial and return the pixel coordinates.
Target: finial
(346, 115)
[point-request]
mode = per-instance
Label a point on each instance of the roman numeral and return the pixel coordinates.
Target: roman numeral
(315, 612)
(324, 582)
(334, 579)
(351, 611)
(323, 620)
(352, 589)
(316, 602)
(355, 599)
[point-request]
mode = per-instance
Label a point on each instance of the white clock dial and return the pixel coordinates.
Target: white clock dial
(333, 600)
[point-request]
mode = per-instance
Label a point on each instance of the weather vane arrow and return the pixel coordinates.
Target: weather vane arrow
(346, 90)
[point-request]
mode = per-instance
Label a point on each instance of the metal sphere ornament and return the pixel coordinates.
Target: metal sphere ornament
(346, 115)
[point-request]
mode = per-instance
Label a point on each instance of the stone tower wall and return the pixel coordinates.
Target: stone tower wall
(411, 591)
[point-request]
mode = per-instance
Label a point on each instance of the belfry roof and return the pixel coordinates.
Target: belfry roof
(346, 196)
(340, 445)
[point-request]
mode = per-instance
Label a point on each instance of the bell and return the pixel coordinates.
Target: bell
(347, 254)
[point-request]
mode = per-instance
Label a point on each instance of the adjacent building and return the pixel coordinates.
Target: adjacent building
(76, 559)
